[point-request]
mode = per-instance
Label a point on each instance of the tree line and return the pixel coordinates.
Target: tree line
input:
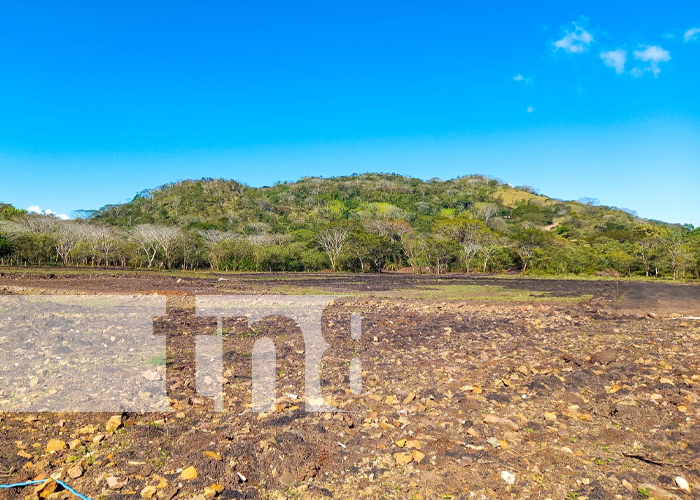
(370, 223)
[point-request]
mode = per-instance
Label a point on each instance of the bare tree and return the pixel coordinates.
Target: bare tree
(470, 249)
(491, 244)
(332, 241)
(525, 251)
(143, 236)
(67, 235)
(216, 245)
(169, 238)
(468, 233)
(30, 224)
(486, 212)
(40, 226)
(102, 241)
(277, 239)
(98, 239)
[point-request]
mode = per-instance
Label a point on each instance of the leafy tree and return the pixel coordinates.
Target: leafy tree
(526, 243)
(5, 247)
(675, 242)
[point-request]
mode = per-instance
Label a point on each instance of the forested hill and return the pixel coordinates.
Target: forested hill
(230, 206)
(365, 223)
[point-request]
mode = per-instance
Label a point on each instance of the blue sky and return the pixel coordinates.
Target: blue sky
(577, 99)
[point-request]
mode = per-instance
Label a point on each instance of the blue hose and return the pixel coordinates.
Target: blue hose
(29, 483)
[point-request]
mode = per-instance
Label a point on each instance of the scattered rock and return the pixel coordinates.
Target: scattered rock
(628, 486)
(287, 478)
(114, 423)
(151, 375)
(46, 488)
(213, 490)
(75, 472)
(606, 356)
(508, 477)
(113, 483)
(148, 492)
(417, 456)
(55, 445)
(654, 492)
(683, 484)
(213, 455)
(503, 423)
(189, 473)
(403, 458)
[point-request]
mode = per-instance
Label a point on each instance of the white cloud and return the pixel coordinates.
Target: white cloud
(615, 59)
(521, 78)
(652, 54)
(530, 109)
(692, 34)
(574, 41)
(35, 209)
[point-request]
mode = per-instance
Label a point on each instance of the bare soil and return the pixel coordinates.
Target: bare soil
(589, 390)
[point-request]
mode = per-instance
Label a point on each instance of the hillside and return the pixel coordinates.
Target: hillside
(231, 206)
(374, 222)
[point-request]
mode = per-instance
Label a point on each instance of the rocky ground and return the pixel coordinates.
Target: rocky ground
(589, 390)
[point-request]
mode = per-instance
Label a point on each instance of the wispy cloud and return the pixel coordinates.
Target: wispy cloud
(530, 109)
(35, 209)
(692, 34)
(652, 54)
(615, 59)
(521, 78)
(575, 41)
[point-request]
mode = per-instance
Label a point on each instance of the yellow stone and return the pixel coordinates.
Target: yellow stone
(114, 423)
(403, 458)
(46, 488)
(213, 455)
(189, 473)
(417, 456)
(55, 445)
(148, 492)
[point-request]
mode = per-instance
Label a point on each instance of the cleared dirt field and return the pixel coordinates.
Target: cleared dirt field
(473, 387)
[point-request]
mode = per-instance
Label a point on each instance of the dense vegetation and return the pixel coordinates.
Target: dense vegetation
(361, 223)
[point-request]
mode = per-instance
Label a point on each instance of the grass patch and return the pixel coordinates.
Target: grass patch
(482, 292)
